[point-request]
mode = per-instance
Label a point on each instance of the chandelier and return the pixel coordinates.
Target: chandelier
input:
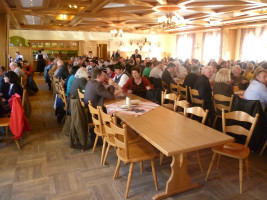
(115, 33)
(169, 22)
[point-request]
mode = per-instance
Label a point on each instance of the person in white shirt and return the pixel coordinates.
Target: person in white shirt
(14, 67)
(18, 56)
(181, 71)
(157, 71)
(44, 54)
(121, 76)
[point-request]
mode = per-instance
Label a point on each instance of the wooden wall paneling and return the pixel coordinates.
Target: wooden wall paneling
(25, 51)
(4, 41)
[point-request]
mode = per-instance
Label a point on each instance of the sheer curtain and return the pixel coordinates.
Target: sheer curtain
(185, 45)
(211, 46)
(253, 44)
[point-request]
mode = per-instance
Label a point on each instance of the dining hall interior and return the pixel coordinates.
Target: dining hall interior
(133, 99)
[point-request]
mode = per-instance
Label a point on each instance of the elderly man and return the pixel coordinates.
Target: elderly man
(257, 89)
(63, 72)
(180, 70)
(121, 75)
(202, 85)
(157, 71)
(14, 67)
(96, 92)
(167, 75)
(238, 79)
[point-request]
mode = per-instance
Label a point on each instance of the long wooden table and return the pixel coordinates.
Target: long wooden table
(174, 135)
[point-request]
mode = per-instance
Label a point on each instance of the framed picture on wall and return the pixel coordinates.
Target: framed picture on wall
(47, 45)
(54, 45)
(40, 45)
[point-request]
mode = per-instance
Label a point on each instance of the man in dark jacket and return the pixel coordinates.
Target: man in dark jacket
(191, 78)
(202, 85)
(63, 72)
(167, 75)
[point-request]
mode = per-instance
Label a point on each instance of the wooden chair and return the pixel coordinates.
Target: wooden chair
(218, 103)
(61, 92)
(200, 112)
(99, 129)
(235, 150)
(173, 88)
(263, 148)
(132, 153)
(180, 104)
(171, 97)
(164, 85)
(193, 95)
(23, 81)
(182, 91)
(4, 122)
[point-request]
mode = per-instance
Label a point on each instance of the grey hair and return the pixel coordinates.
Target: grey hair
(204, 69)
(81, 73)
(195, 69)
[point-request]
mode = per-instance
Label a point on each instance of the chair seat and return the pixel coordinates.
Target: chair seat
(138, 152)
(169, 106)
(233, 150)
(4, 121)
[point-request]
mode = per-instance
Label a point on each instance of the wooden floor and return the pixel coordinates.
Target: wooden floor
(46, 168)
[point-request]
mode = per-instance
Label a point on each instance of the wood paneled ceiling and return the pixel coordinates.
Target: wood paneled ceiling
(135, 16)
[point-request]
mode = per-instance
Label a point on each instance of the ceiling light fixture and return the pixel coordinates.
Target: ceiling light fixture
(115, 33)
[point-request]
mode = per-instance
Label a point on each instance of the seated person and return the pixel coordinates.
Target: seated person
(96, 92)
(71, 78)
(14, 67)
(167, 75)
(121, 75)
(27, 68)
(257, 89)
(221, 85)
(238, 79)
(147, 69)
(191, 78)
(157, 71)
(110, 71)
(248, 73)
(202, 85)
(79, 82)
(63, 72)
(137, 84)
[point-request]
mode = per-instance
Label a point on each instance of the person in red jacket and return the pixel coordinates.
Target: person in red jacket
(137, 84)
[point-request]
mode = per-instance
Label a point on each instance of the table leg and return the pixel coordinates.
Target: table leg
(179, 180)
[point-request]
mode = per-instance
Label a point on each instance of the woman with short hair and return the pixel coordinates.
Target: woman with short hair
(221, 85)
(79, 82)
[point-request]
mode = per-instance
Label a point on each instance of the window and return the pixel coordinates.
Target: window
(185, 45)
(211, 46)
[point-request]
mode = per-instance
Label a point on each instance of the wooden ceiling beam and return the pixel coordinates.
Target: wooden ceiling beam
(135, 3)
(217, 3)
(98, 5)
(162, 2)
(9, 11)
(246, 18)
(44, 11)
(128, 8)
(184, 2)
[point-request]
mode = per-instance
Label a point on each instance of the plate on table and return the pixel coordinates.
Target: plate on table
(127, 107)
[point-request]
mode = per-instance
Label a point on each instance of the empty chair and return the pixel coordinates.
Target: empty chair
(171, 97)
(221, 102)
(180, 105)
(182, 91)
(132, 153)
(235, 150)
(199, 112)
(195, 98)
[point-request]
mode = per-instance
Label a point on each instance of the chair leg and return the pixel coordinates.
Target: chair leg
(103, 151)
(96, 138)
(211, 164)
(141, 167)
(6, 131)
(247, 166)
(154, 174)
(263, 148)
(199, 161)
(214, 123)
(17, 143)
(161, 155)
(218, 161)
(106, 154)
(240, 174)
(129, 179)
(116, 173)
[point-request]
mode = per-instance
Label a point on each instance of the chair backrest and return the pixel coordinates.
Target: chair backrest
(23, 97)
(81, 96)
(171, 97)
(173, 88)
(197, 111)
(219, 99)
(164, 85)
(107, 119)
(96, 116)
(61, 92)
(237, 129)
(195, 98)
(23, 81)
(178, 104)
(182, 91)
(120, 137)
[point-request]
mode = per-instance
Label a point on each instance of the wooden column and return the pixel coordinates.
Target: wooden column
(4, 41)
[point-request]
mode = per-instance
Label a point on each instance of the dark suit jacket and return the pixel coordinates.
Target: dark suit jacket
(202, 84)
(4, 87)
(96, 93)
(78, 83)
(223, 88)
(189, 81)
(15, 89)
(167, 78)
(137, 56)
(63, 73)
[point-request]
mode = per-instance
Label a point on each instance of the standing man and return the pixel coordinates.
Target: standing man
(96, 92)
(136, 55)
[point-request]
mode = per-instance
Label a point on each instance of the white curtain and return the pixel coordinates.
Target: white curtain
(254, 44)
(211, 46)
(184, 46)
